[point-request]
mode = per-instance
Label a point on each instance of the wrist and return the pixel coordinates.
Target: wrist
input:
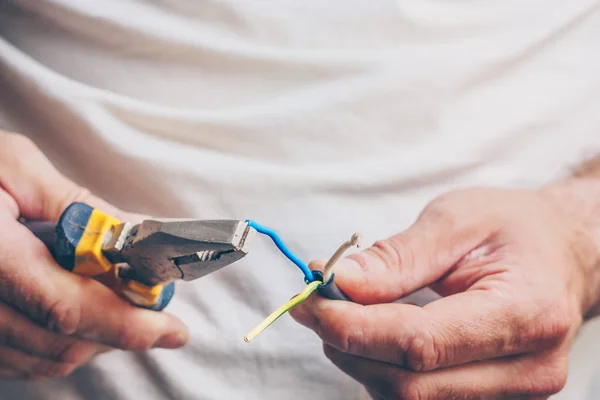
(578, 200)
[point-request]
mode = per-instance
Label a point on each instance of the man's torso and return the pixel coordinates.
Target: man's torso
(318, 119)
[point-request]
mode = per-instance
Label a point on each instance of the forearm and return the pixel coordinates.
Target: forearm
(584, 187)
(579, 197)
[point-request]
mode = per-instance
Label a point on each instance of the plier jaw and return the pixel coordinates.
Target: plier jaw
(226, 241)
(159, 251)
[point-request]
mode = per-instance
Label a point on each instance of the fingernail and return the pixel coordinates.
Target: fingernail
(171, 341)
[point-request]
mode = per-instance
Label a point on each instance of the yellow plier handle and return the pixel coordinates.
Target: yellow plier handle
(77, 243)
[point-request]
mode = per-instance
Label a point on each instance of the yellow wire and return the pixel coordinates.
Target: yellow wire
(299, 298)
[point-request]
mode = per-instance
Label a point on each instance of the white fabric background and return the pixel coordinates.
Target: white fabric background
(316, 118)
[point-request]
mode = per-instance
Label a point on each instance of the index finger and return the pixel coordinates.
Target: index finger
(461, 328)
(74, 305)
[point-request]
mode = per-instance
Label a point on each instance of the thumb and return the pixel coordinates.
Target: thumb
(40, 191)
(393, 268)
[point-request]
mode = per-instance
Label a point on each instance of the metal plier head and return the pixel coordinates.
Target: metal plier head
(159, 251)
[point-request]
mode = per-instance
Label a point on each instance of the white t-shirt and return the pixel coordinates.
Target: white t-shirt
(317, 118)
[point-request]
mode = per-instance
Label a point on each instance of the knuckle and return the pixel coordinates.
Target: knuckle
(439, 208)
(424, 352)
(560, 322)
(133, 339)
(349, 338)
(63, 316)
(444, 207)
(73, 193)
(77, 194)
(551, 325)
(345, 338)
(553, 378)
(548, 379)
(353, 341)
(441, 214)
(394, 252)
(410, 388)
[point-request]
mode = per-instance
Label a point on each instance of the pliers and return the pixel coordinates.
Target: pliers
(141, 262)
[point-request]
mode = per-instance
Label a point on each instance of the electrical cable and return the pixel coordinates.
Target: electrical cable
(283, 248)
(317, 280)
(293, 302)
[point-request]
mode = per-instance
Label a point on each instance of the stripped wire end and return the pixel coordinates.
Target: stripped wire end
(293, 302)
(354, 241)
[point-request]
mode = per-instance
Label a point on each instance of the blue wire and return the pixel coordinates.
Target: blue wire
(283, 248)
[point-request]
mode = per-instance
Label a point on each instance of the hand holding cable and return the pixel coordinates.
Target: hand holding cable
(519, 271)
(315, 280)
(51, 320)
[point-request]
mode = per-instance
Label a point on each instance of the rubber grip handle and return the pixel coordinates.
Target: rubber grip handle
(75, 242)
